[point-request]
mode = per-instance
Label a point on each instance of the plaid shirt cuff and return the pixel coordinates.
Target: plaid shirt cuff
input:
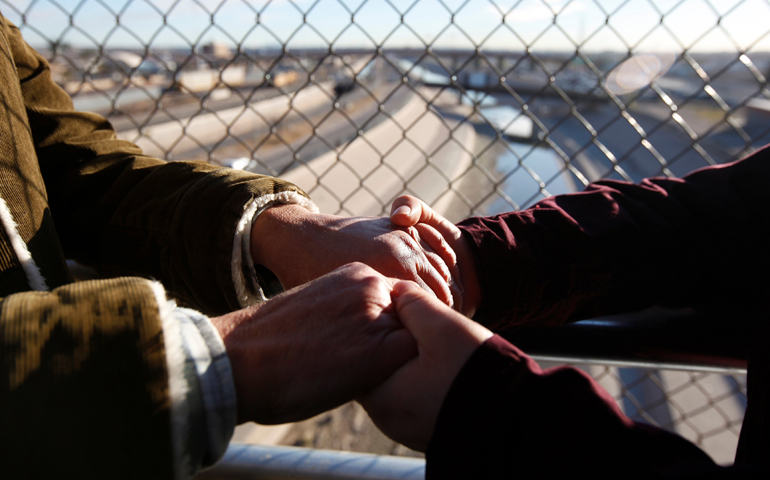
(211, 395)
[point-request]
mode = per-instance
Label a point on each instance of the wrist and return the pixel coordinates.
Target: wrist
(275, 233)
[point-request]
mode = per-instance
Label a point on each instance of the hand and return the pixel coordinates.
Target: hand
(407, 211)
(298, 246)
(406, 406)
(314, 347)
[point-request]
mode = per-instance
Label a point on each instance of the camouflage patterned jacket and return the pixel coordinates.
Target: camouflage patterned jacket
(85, 383)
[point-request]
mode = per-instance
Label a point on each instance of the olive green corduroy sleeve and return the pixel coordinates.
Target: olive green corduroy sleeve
(128, 214)
(84, 387)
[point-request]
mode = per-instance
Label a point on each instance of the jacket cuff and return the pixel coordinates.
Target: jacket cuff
(254, 286)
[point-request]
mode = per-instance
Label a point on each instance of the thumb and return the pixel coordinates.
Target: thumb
(405, 211)
(435, 326)
(417, 310)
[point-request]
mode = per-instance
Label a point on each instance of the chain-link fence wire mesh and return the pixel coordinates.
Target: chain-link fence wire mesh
(476, 106)
(705, 408)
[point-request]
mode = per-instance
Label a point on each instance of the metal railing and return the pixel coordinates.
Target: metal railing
(476, 106)
(651, 341)
(276, 463)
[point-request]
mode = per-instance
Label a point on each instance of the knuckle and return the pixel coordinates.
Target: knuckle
(356, 268)
(372, 286)
(414, 233)
(407, 247)
(371, 282)
(402, 234)
(353, 273)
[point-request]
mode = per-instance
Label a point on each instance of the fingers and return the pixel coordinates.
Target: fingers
(443, 260)
(407, 211)
(437, 243)
(429, 321)
(435, 286)
(440, 235)
(431, 268)
(435, 283)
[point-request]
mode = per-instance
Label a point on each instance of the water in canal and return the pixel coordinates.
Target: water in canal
(520, 165)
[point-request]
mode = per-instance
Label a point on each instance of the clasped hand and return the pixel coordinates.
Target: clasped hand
(314, 347)
(299, 246)
(356, 332)
(350, 334)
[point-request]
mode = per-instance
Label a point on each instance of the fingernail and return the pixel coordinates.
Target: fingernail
(402, 210)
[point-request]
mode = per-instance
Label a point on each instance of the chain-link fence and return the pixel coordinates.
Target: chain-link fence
(476, 106)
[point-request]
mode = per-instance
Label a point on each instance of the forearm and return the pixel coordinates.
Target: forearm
(128, 214)
(619, 247)
(176, 222)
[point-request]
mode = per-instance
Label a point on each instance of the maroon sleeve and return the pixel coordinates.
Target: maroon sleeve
(505, 418)
(620, 247)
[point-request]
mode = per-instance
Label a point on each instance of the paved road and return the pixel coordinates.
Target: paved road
(139, 103)
(357, 111)
(181, 136)
(365, 175)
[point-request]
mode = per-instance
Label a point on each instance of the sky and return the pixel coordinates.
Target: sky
(596, 25)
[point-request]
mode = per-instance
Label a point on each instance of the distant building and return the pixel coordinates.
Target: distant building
(217, 50)
(206, 80)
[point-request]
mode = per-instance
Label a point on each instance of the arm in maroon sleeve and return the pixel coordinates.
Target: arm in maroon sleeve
(620, 247)
(505, 418)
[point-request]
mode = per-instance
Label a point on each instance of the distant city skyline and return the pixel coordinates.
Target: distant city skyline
(692, 24)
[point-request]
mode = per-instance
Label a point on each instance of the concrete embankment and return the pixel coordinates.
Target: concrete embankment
(416, 151)
(190, 133)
